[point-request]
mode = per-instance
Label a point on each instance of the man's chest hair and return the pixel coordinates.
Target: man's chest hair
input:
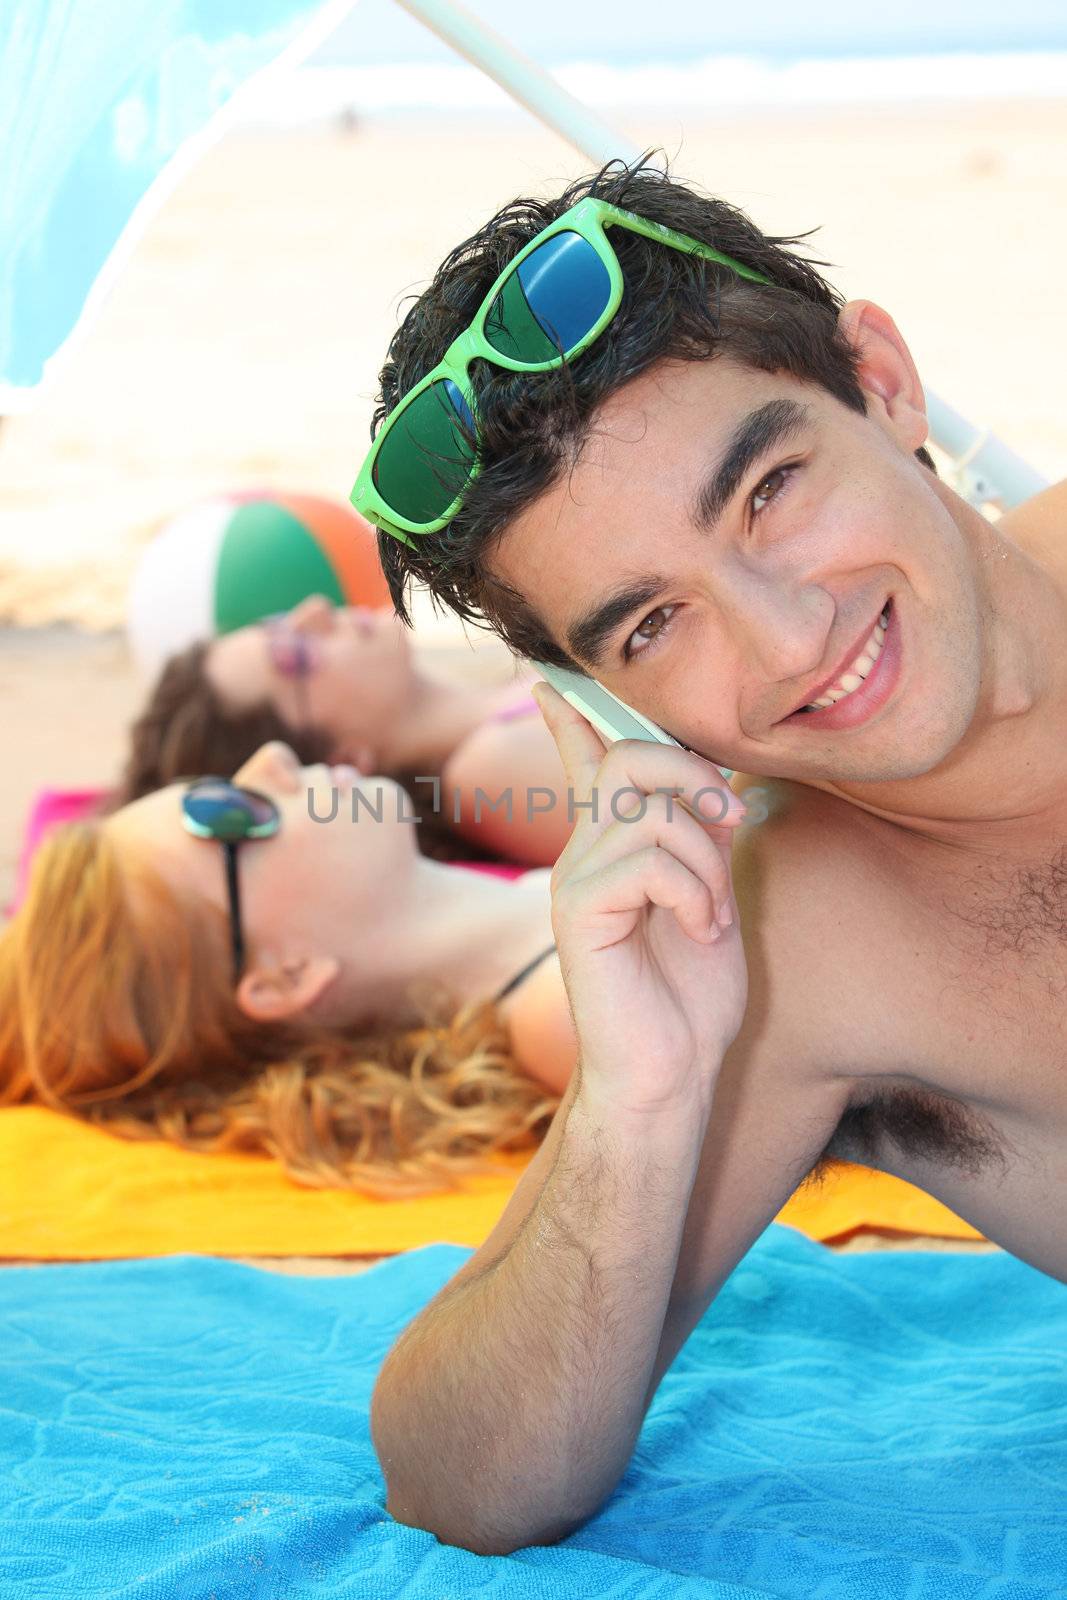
(1010, 914)
(1014, 910)
(998, 946)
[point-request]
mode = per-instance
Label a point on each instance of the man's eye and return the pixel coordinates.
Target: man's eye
(770, 487)
(649, 630)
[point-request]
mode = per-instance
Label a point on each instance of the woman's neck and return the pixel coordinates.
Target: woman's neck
(439, 715)
(453, 929)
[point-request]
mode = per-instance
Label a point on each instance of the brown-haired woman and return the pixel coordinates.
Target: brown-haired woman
(395, 1021)
(344, 684)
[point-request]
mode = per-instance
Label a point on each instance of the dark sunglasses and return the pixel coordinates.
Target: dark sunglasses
(215, 808)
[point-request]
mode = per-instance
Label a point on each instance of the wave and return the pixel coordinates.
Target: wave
(726, 82)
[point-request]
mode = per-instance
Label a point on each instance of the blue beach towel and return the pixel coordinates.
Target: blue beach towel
(861, 1427)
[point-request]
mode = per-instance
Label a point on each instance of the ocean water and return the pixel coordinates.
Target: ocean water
(630, 32)
(615, 54)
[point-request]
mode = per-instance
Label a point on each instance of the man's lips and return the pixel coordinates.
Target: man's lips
(842, 667)
(859, 705)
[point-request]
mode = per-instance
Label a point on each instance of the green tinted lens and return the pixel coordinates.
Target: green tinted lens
(425, 459)
(550, 302)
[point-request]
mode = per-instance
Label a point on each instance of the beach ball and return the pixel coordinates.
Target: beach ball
(233, 559)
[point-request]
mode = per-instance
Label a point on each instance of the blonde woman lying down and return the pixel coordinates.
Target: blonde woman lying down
(371, 1017)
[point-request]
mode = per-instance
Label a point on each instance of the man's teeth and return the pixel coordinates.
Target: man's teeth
(859, 669)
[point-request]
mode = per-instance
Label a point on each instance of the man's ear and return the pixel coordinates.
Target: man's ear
(276, 993)
(886, 372)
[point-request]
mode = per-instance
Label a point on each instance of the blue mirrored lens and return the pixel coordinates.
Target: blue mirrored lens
(550, 302)
(226, 811)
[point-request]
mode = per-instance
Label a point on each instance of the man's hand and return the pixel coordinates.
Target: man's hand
(645, 918)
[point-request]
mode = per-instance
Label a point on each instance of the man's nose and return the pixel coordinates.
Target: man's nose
(782, 635)
(273, 766)
(314, 614)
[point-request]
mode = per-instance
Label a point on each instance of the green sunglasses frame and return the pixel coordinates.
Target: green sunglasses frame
(589, 219)
(260, 830)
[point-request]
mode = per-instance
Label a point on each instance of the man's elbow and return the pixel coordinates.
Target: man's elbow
(422, 1492)
(419, 1494)
(470, 1529)
(455, 1512)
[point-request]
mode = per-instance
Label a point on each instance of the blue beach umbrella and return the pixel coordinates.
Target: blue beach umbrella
(103, 105)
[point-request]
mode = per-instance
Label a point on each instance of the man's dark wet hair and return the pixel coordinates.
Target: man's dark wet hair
(532, 425)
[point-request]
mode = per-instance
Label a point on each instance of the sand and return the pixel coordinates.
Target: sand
(241, 344)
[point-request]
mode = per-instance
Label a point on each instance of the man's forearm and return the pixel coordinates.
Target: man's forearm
(509, 1410)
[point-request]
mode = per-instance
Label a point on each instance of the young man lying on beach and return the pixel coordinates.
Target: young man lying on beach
(721, 508)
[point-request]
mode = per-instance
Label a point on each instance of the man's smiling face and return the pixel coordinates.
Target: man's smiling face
(724, 547)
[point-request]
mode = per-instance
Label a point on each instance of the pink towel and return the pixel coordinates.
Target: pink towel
(51, 807)
(497, 869)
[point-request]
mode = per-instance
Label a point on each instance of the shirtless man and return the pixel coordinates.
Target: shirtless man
(717, 540)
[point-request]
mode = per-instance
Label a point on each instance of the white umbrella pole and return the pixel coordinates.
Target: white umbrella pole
(988, 471)
(522, 79)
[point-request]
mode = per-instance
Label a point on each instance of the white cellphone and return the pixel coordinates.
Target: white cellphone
(609, 715)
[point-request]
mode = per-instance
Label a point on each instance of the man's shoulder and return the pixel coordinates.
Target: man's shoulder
(802, 876)
(1049, 501)
(796, 838)
(1039, 525)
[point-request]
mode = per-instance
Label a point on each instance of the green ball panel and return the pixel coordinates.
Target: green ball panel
(268, 562)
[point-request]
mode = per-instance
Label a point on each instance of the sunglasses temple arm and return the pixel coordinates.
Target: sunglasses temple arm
(230, 850)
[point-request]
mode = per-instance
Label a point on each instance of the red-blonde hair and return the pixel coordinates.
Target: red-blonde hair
(130, 1021)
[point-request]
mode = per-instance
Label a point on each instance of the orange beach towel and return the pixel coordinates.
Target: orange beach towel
(71, 1192)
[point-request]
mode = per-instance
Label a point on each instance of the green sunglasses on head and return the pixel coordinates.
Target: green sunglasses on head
(548, 305)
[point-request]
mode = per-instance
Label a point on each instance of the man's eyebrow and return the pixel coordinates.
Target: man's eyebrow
(586, 637)
(759, 432)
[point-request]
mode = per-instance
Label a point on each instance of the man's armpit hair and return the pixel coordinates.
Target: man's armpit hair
(915, 1122)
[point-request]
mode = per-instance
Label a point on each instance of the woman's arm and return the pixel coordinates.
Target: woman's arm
(516, 759)
(540, 1026)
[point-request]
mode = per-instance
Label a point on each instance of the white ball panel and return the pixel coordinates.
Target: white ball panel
(172, 597)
